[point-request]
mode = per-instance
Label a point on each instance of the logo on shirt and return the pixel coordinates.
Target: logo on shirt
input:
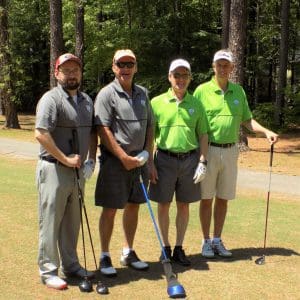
(88, 107)
(143, 102)
(236, 101)
(191, 111)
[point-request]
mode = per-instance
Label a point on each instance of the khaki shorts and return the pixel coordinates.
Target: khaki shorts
(221, 176)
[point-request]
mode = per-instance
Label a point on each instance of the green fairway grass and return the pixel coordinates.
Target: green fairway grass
(235, 278)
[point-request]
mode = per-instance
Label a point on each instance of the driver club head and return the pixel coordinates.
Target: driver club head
(101, 288)
(85, 286)
(260, 261)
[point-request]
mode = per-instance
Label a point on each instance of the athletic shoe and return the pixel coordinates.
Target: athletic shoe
(220, 249)
(133, 261)
(207, 250)
(180, 257)
(168, 252)
(55, 282)
(106, 267)
(80, 273)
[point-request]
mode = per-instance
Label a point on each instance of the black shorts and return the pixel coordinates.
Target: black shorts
(116, 186)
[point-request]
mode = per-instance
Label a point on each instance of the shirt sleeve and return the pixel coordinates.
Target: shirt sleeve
(103, 108)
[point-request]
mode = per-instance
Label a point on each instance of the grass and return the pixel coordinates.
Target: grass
(235, 278)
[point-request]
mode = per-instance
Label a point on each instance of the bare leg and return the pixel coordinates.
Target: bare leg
(130, 221)
(164, 221)
(220, 210)
(205, 216)
(182, 219)
(106, 224)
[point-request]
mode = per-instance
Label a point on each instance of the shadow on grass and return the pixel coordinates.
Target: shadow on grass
(155, 272)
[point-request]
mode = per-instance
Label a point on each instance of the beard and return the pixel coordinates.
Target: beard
(70, 84)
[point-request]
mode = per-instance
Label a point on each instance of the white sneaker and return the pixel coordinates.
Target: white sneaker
(220, 249)
(207, 250)
(55, 282)
(106, 267)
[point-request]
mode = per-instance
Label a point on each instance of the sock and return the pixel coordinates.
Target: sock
(104, 254)
(216, 240)
(126, 250)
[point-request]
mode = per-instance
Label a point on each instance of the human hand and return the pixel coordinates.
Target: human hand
(143, 157)
(200, 172)
(88, 168)
(272, 137)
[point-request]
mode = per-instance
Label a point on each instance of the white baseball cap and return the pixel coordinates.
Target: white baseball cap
(223, 54)
(179, 63)
(122, 53)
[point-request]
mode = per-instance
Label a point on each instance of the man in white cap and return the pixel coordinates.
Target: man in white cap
(61, 112)
(227, 108)
(180, 157)
(123, 117)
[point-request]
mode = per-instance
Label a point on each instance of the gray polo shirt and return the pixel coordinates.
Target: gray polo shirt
(127, 118)
(60, 115)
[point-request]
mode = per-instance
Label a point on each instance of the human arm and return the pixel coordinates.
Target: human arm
(254, 126)
(44, 138)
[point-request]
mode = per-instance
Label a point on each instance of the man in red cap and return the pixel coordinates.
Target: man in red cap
(63, 113)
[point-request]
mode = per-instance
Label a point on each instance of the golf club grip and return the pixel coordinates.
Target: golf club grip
(271, 154)
(75, 143)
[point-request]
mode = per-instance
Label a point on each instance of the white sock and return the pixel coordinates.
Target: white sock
(126, 251)
(216, 240)
(104, 254)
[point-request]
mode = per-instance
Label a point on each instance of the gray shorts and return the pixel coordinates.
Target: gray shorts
(116, 186)
(175, 175)
(221, 176)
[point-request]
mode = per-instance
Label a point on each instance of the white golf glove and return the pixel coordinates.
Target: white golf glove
(143, 157)
(88, 168)
(200, 172)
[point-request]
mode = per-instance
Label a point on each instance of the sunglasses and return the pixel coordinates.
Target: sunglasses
(127, 64)
(185, 76)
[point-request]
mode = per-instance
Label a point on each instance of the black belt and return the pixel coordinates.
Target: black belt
(178, 155)
(228, 145)
(51, 160)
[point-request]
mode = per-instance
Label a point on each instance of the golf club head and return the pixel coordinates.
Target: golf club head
(260, 261)
(85, 286)
(101, 288)
(176, 291)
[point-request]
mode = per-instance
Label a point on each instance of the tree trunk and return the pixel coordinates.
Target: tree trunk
(225, 22)
(56, 36)
(11, 117)
(237, 41)
(79, 31)
(283, 59)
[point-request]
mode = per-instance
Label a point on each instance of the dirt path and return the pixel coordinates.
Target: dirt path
(248, 179)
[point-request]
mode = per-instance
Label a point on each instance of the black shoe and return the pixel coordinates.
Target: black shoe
(168, 252)
(133, 261)
(106, 267)
(179, 257)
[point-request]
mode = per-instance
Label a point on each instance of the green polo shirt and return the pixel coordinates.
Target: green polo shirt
(178, 125)
(225, 111)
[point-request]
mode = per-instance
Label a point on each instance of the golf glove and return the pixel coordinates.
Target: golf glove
(88, 168)
(200, 172)
(143, 157)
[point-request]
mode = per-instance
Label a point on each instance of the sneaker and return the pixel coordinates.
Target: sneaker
(168, 252)
(133, 261)
(220, 249)
(54, 282)
(80, 273)
(106, 267)
(207, 250)
(180, 257)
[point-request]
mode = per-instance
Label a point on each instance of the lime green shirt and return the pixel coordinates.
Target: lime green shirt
(225, 111)
(178, 125)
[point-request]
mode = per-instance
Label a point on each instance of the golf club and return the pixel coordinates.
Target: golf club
(85, 285)
(261, 260)
(175, 289)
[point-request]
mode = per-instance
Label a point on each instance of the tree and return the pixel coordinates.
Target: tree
(283, 58)
(56, 36)
(79, 30)
(225, 22)
(6, 96)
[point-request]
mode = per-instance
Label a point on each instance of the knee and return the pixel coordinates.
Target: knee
(206, 204)
(108, 213)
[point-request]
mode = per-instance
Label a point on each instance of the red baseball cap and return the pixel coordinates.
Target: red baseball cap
(66, 57)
